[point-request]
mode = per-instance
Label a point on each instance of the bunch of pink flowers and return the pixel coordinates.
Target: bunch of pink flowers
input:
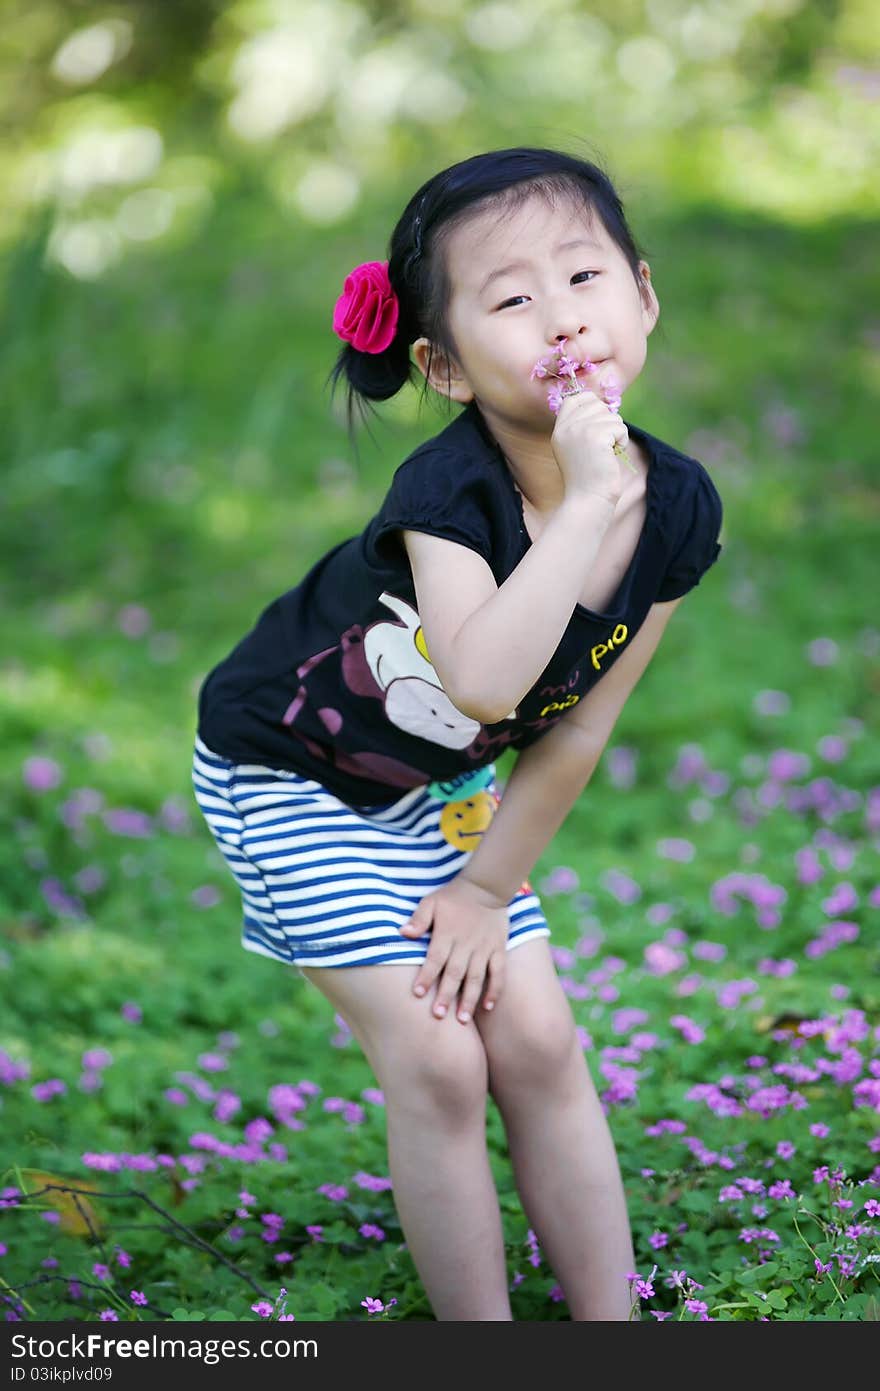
(563, 368)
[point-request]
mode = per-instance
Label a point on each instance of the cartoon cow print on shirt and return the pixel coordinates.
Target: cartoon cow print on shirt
(387, 661)
(415, 702)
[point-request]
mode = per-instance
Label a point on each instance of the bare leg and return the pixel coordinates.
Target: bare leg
(433, 1074)
(561, 1149)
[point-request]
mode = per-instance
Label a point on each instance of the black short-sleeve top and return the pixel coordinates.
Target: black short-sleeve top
(334, 680)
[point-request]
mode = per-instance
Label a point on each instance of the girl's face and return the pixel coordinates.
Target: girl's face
(521, 284)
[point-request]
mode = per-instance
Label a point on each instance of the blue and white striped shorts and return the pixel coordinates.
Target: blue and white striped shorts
(325, 884)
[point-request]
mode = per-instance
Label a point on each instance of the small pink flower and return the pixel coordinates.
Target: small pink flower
(41, 774)
(336, 1192)
(206, 896)
(691, 1032)
(642, 1289)
(43, 1091)
(612, 393)
(213, 1062)
(96, 1058)
(368, 1229)
(375, 1182)
(133, 620)
(563, 367)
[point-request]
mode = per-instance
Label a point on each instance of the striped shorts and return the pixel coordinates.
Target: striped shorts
(325, 884)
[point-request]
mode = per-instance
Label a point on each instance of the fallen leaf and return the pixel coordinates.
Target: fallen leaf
(74, 1207)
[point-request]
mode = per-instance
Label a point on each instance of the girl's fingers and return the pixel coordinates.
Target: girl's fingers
(420, 920)
(494, 979)
(453, 975)
(429, 970)
(473, 984)
(419, 924)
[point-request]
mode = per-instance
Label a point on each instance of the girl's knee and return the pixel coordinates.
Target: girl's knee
(435, 1065)
(536, 1047)
(440, 1069)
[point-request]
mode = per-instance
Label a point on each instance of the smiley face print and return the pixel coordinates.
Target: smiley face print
(462, 823)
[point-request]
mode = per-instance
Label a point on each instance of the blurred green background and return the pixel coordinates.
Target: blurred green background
(184, 189)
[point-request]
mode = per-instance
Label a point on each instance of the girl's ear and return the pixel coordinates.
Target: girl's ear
(650, 303)
(444, 375)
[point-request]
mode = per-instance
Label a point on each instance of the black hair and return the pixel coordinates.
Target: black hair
(417, 264)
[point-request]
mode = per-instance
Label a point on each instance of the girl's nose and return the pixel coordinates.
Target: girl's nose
(570, 333)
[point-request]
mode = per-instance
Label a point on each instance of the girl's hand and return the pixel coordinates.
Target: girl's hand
(583, 440)
(469, 928)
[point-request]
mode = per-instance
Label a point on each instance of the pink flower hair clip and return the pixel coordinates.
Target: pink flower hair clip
(563, 368)
(368, 309)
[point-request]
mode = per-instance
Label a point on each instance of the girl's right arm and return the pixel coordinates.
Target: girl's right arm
(489, 644)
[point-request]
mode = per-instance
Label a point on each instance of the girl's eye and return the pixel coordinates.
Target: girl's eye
(514, 298)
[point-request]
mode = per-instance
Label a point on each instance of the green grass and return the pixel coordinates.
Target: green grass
(168, 444)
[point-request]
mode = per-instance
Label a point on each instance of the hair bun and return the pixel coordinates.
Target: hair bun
(377, 375)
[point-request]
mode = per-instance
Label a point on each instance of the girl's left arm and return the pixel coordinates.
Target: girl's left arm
(549, 776)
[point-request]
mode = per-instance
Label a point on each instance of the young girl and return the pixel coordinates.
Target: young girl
(509, 593)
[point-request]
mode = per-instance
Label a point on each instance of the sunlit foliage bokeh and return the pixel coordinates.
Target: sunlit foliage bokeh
(184, 188)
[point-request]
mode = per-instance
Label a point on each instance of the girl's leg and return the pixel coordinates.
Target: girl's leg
(433, 1075)
(561, 1148)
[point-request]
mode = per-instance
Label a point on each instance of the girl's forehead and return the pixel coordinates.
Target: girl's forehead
(510, 232)
(534, 219)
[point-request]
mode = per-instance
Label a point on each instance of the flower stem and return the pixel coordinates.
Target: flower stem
(14, 1291)
(815, 1257)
